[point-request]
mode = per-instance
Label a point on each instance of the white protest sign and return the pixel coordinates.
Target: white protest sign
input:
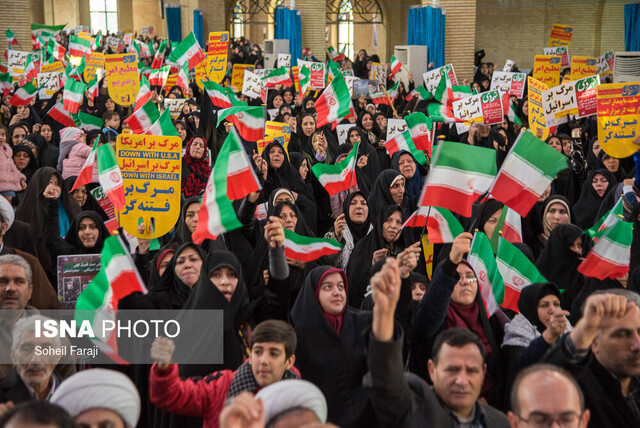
(251, 84)
(174, 105)
(562, 51)
(262, 72)
(349, 81)
(273, 112)
(16, 62)
(508, 66)
(379, 74)
(486, 106)
(395, 127)
(604, 64)
(284, 60)
(432, 77)
(343, 132)
(49, 84)
(578, 98)
(316, 77)
(508, 82)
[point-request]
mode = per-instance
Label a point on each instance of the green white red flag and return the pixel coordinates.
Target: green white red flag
(24, 94)
(159, 77)
(338, 177)
(483, 263)
(459, 174)
(517, 272)
(182, 79)
(304, 75)
(86, 173)
(143, 118)
(163, 126)
(11, 38)
(88, 122)
(73, 95)
(613, 216)
(92, 88)
(144, 94)
(188, 51)
(334, 103)
(279, 76)
(6, 83)
(335, 56)
(232, 178)
(110, 176)
(219, 95)
(60, 115)
(79, 47)
(526, 172)
(306, 249)
(158, 58)
(249, 121)
(395, 65)
(421, 129)
(55, 50)
(611, 256)
(403, 142)
(117, 278)
(441, 113)
(442, 226)
(510, 109)
(44, 31)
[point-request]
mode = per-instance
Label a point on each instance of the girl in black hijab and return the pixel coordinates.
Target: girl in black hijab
(331, 350)
(302, 165)
(280, 173)
(306, 127)
(31, 166)
(373, 136)
(47, 153)
(84, 198)
(389, 189)
(372, 169)
(412, 171)
(613, 165)
(597, 186)
(86, 233)
(560, 259)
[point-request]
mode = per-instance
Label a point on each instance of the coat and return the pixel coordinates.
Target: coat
(403, 399)
(10, 176)
(12, 388)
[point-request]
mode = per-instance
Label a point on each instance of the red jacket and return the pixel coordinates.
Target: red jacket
(203, 398)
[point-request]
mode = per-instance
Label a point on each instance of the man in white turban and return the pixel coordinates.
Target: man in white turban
(99, 397)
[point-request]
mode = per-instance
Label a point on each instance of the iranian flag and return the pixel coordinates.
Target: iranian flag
(517, 272)
(424, 94)
(87, 169)
(144, 94)
(183, 78)
(32, 67)
(510, 108)
(117, 278)
(92, 88)
(24, 95)
(485, 267)
(42, 30)
(163, 126)
(97, 41)
(142, 49)
(334, 103)
(526, 173)
(442, 226)
(395, 65)
(335, 56)
(79, 47)
(232, 178)
(159, 77)
(338, 177)
(73, 95)
(60, 115)
(610, 257)
(305, 249)
(380, 97)
(459, 175)
(218, 95)
(420, 128)
(444, 91)
(404, 142)
(411, 95)
(613, 216)
(460, 91)
(158, 58)
(143, 118)
(188, 51)
(56, 50)
(6, 83)
(249, 121)
(279, 76)
(441, 113)
(512, 226)
(110, 176)
(305, 78)
(11, 38)
(88, 122)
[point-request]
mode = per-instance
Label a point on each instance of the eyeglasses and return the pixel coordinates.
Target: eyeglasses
(468, 279)
(540, 420)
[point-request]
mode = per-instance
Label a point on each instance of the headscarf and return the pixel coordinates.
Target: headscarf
(99, 389)
(296, 161)
(183, 234)
(73, 239)
(358, 231)
(529, 298)
(546, 227)
(47, 152)
(90, 204)
(380, 194)
(171, 284)
(285, 176)
(620, 174)
(335, 321)
(32, 166)
(485, 211)
(413, 185)
(587, 206)
(195, 172)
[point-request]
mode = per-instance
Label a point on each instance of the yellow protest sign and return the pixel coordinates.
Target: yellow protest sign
(560, 35)
(123, 81)
(54, 67)
(296, 77)
(546, 68)
(96, 61)
(172, 81)
(275, 131)
(151, 167)
(619, 118)
(582, 66)
(537, 122)
(201, 72)
(237, 75)
(217, 54)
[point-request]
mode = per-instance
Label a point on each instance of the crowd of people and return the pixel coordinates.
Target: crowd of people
(378, 335)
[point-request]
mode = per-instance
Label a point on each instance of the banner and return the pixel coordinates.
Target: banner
(217, 55)
(432, 77)
(619, 118)
(16, 62)
(546, 68)
(123, 81)
(508, 82)
(395, 127)
(95, 62)
(316, 78)
(604, 64)
(582, 66)
(147, 31)
(175, 106)
(560, 35)
(577, 98)
(562, 51)
(251, 85)
(75, 272)
(486, 106)
(537, 123)
(49, 84)
(237, 75)
(151, 169)
(275, 131)
(284, 60)
(379, 74)
(56, 66)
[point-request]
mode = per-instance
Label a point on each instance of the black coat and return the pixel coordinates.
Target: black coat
(334, 363)
(12, 388)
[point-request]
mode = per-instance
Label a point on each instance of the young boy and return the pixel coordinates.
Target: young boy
(111, 124)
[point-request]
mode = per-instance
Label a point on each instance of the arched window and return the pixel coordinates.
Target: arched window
(345, 27)
(253, 19)
(344, 15)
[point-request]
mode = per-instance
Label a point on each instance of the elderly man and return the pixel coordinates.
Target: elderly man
(35, 359)
(457, 368)
(543, 394)
(603, 353)
(99, 398)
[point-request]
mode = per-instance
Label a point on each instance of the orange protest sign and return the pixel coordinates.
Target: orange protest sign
(560, 35)
(582, 66)
(546, 69)
(237, 75)
(96, 61)
(123, 81)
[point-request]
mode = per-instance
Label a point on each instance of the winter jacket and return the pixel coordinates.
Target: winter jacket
(73, 163)
(10, 176)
